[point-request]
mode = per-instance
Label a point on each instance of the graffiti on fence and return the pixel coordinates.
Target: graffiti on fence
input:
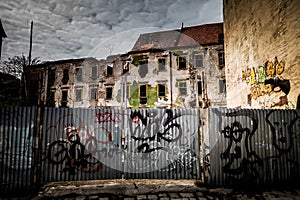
(74, 154)
(256, 146)
(241, 160)
(134, 141)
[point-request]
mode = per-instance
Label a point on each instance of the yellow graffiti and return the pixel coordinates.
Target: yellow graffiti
(270, 69)
(253, 75)
(280, 68)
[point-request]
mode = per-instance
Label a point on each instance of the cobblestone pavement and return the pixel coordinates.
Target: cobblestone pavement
(152, 189)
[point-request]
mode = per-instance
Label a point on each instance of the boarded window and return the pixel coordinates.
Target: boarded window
(79, 94)
(79, 74)
(181, 61)
(64, 98)
(65, 78)
(182, 88)
(93, 94)
(109, 70)
(143, 94)
(94, 73)
(222, 86)
(161, 64)
(221, 58)
(109, 92)
(198, 60)
(161, 90)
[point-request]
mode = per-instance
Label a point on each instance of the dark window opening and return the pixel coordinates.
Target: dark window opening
(109, 70)
(181, 62)
(79, 74)
(94, 73)
(93, 94)
(182, 88)
(161, 90)
(51, 99)
(200, 87)
(221, 38)
(222, 86)
(198, 60)
(65, 78)
(143, 94)
(51, 77)
(64, 98)
(221, 58)
(161, 64)
(109, 92)
(78, 94)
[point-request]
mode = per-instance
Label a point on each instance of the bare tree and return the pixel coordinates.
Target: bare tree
(16, 65)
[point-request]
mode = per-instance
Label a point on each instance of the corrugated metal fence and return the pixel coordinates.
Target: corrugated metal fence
(17, 128)
(258, 147)
(82, 144)
(239, 146)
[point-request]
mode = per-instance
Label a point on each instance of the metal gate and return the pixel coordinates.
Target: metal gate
(83, 144)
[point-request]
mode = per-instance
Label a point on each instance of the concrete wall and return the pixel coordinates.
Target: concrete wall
(261, 37)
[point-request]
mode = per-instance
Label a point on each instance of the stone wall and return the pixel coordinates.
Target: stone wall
(262, 53)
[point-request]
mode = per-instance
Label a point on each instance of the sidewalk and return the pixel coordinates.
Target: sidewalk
(152, 189)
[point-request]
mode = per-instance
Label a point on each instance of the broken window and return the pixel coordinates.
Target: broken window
(182, 88)
(78, 92)
(94, 73)
(93, 93)
(222, 86)
(51, 77)
(199, 87)
(109, 92)
(221, 58)
(143, 92)
(64, 98)
(51, 99)
(79, 74)
(198, 60)
(161, 64)
(126, 67)
(161, 90)
(181, 61)
(65, 78)
(109, 70)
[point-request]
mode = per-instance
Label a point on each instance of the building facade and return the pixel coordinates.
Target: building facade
(262, 53)
(181, 68)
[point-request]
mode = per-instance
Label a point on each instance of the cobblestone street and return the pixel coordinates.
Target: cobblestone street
(153, 189)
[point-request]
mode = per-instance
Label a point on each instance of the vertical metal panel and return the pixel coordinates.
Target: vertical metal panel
(254, 147)
(162, 144)
(16, 148)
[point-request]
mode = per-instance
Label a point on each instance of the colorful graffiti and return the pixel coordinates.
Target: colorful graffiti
(267, 79)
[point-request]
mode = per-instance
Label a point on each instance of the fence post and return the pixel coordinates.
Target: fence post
(37, 148)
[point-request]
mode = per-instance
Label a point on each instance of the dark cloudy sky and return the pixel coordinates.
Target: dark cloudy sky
(66, 29)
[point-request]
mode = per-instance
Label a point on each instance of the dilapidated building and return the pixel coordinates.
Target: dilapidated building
(167, 69)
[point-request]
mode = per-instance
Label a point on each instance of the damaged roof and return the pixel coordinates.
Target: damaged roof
(187, 36)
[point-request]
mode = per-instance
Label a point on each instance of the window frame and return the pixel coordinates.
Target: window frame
(94, 76)
(65, 78)
(111, 93)
(76, 94)
(180, 88)
(222, 90)
(201, 60)
(158, 90)
(221, 58)
(145, 98)
(78, 75)
(179, 61)
(111, 70)
(92, 92)
(161, 65)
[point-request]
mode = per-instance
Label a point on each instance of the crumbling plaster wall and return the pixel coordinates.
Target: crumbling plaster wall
(255, 33)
